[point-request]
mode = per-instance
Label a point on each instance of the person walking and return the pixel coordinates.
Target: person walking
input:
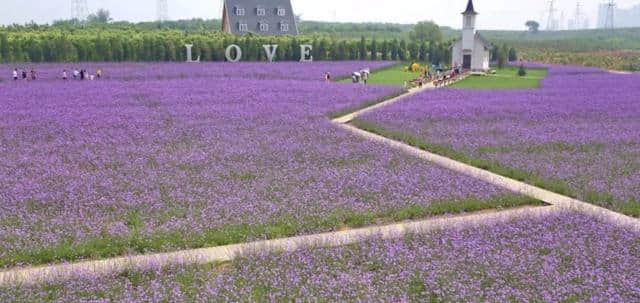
(15, 74)
(33, 74)
(64, 74)
(24, 74)
(82, 75)
(76, 73)
(99, 73)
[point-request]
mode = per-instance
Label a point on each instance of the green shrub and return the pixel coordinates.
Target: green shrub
(522, 72)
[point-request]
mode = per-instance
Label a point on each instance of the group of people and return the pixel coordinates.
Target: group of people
(82, 74)
(439, 78)
(361, 76)
(23, 73)
(76, 74)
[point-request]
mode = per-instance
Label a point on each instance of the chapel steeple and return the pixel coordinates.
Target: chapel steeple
(469, 17)
(470, 10)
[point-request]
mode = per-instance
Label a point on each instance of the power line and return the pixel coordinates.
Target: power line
(162, 10)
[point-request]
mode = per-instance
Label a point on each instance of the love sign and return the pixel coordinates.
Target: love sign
(233, 53)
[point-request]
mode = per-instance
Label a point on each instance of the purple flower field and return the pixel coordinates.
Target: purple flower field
(108, 159)
(561, 258)
(240, 70)
(581, 127)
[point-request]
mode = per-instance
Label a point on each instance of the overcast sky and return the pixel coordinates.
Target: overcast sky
(494, 14)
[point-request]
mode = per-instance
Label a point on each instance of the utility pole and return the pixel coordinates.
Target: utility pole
(610, 20)
(162, 10)
(551, 19)
(577, 20)
(79, 10)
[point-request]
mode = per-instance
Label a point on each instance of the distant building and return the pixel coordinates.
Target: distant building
(262, 17)
(471, 51)
(622, 17)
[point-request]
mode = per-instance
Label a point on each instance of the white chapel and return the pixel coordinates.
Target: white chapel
(471, 51)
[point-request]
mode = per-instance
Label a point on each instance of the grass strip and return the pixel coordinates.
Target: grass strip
(353, 109)
(106, 246)
(630, 208)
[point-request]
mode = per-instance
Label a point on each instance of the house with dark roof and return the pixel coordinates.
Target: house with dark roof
(262, 17)
(472, 51)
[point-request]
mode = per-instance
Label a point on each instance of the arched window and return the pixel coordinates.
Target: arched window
(284, 27)
(243, 26)
(239, 11)
(264, 26)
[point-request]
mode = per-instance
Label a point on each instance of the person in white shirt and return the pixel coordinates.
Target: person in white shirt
(64, 74)
(76, 73)
(15, 74)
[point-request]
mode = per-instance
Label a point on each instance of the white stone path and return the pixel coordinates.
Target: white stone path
(92, 269)
(34, 275)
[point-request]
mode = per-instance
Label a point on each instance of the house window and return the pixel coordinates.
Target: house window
(284, 27)
(239, 11)
(264, 27)
(281, 12)
(243, 27)
(261, 11)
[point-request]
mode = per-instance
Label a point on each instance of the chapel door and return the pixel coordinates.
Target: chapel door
(466, 62)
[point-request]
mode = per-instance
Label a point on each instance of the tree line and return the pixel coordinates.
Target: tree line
(116, 45)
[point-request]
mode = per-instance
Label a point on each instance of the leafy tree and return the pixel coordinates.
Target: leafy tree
(414, 50)
(426, 31)
(424, 52)
(4, 46)
(374, 50)
(395, 48)
(384, 50)
(402, 51)
(502, 53)
(102, 16)
(363, 48)
(513, 55)
(521, 71)
(533, 26)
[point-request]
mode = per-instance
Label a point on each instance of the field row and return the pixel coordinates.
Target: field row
(97, 169)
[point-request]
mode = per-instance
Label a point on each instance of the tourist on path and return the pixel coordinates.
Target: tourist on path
(99, 73)
(24, 74)
(76, 73)
(15, 74)
(64, 74)
(82, 75)
(33, 74)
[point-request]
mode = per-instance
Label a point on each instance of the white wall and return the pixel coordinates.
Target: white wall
(480, 58)
(456, 54)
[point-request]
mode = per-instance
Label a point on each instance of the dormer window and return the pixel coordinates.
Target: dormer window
(243, 27)
(281, 12)
(284, 27)
(260, 11)
(239, 11)
(264, 26)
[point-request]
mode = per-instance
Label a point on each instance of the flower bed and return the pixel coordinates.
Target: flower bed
(561, 258)
(240, 70)
(578, 134)
(104, 168)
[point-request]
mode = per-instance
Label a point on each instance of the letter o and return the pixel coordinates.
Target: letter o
(227, 53)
